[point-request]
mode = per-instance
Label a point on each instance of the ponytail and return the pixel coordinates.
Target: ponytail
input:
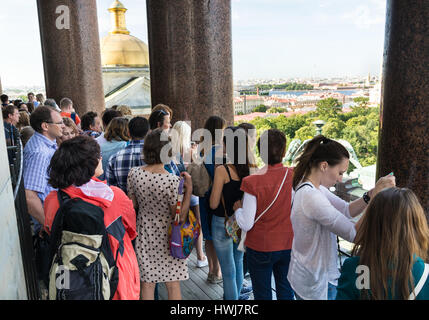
(317, 150)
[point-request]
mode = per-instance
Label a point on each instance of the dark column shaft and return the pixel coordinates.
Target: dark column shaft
(191, 58)
(404, 125)
(71, 57)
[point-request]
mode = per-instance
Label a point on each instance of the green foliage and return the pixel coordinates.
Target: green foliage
(260, 108)
(359, 127)
(361, 101)
(276, 110)
(22, 97)
(328, 108)
(285, 86)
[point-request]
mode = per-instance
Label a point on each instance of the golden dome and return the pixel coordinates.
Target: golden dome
(119, 48)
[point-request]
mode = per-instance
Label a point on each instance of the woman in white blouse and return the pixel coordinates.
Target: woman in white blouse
(318, 216)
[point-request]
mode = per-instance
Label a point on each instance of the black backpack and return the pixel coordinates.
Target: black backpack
(83, 267)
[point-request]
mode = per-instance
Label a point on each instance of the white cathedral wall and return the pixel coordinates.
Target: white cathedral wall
(12, 279)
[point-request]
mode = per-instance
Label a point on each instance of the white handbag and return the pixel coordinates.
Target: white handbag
(241, 246)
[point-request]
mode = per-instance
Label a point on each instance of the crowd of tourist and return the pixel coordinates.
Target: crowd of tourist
(288, 218)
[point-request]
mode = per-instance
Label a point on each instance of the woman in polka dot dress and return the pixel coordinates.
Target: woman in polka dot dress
(154, 193)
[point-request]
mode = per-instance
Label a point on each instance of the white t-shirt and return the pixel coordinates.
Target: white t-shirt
(317, 217)
(101, 139)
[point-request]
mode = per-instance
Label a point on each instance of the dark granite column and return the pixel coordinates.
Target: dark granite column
(71, 52)
(404, 125)
(191, 58)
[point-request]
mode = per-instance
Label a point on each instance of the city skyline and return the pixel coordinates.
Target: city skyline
(271, 39)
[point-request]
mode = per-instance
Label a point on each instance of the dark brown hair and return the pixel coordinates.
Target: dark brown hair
(108, 115)
(30, 106)
(118, 130)
(317, 150)
(152, 147)
(74, 162)
(238, 134)
(24, 120)
(7, 110)
(214, 123)
(276, 146)
(156, 117)
(40, 115)
(164, 107)
(87, 120)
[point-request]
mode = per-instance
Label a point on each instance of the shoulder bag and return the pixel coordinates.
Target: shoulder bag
(241, 246)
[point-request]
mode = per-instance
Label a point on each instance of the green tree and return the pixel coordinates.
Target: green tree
(260, 108)
(306, 132)
(334, 128)
(328, 108)
(276, 110)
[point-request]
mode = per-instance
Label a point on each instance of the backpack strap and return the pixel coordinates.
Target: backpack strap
(73, 116)
(420, 284)
(57, 224)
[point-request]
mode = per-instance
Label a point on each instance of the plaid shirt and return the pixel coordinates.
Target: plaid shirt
(37, 155)
(120, 164)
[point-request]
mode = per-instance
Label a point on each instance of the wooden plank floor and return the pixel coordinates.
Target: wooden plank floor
(197, 287)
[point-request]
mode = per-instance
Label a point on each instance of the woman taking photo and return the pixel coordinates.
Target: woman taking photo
(392, 243)
(318, 216)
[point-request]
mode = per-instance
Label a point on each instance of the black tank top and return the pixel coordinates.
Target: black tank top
(231, 193)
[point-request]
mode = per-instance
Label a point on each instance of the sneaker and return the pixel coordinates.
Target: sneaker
(246, 289)
(244, 297)
(202, 263)
(213, 279)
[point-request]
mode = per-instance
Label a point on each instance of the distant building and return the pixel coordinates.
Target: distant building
(246, 104)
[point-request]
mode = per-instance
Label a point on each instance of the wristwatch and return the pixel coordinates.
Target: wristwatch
(366, 197)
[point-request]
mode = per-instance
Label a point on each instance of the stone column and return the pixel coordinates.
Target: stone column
(191, 58)
(71, 52)
(404, 119)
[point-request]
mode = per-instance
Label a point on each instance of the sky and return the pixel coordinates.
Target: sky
(271, 39)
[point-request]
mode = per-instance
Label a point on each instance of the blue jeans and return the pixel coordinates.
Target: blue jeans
(230, 259)
(332, 292)
(261, 267)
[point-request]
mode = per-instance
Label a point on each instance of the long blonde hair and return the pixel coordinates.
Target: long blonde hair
(393, 232)
(182, 139)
